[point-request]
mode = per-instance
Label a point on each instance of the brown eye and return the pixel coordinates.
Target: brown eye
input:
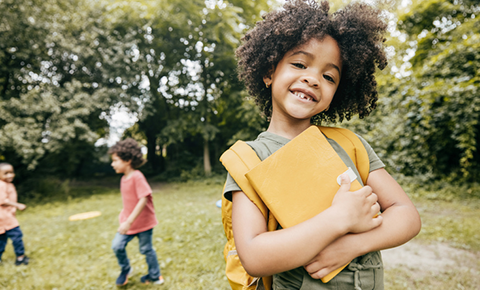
(329, 78)
(299, 65)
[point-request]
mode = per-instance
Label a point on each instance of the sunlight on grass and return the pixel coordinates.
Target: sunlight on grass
(455, 222)
(402, 279)
(189, 242)
(76, 255)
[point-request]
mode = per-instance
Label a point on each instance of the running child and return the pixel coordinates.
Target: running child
(304, 66)
(137, 218)
(9, 226)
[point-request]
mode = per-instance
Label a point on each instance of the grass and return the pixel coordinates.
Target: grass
(76, 255)
(189, 241)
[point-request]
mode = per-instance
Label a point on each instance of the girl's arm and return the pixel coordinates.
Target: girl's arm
(125, 226)
(265, 253)
(401, 222)
(19, 206)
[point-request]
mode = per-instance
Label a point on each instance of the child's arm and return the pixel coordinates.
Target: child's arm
(125, 226)
(401, 222)
(265, 253)
(19, 206)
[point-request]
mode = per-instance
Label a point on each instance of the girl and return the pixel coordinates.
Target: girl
(303, 66)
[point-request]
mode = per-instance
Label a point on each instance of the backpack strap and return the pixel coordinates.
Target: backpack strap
(238, 160)
(354, 147)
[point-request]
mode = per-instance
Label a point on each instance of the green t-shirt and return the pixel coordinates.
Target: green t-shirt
(369, 267)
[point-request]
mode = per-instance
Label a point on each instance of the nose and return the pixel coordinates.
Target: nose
(311, 81)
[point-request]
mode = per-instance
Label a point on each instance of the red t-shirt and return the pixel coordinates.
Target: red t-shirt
(132, 189)
(8, 220)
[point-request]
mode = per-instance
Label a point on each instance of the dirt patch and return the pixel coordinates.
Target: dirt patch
(429, 259)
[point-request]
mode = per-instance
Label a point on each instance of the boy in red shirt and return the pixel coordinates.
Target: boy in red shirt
(9, 226)
(137, 217)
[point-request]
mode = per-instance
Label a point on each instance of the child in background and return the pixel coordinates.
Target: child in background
(137, 217)
(9, 226)
(303, 65)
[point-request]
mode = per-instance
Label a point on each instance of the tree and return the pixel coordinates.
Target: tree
(430, 102)
(190, 64)
(58, 80)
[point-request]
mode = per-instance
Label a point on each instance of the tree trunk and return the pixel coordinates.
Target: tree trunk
(206, 158)
(151, 151)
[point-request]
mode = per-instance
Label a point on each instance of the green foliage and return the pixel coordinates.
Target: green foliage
(65, 65)
(58, 79)
(427, 119)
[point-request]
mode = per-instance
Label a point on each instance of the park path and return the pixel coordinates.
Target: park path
(429, 259)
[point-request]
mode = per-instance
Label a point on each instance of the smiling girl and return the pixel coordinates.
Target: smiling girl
(304, 66)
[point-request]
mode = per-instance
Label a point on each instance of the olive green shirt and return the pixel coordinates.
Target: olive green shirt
(365, 272)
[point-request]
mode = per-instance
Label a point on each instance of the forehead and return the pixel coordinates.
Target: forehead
(6, 168)
(319, 47)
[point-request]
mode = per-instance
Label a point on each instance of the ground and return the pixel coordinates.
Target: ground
(421, 260)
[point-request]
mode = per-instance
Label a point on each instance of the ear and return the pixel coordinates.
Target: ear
(267, 80)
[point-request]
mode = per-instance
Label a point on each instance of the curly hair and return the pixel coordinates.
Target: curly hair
(127, 150)
(358, 30)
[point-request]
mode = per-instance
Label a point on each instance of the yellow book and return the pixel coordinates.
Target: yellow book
(300, 180)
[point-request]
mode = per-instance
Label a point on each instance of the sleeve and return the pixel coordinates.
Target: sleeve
(142, 188)
(230, 185)
(12, 193)
(3, 192)
(375, 162)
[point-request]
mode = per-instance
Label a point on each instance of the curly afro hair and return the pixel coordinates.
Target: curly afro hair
(127, 150)
(358, 30)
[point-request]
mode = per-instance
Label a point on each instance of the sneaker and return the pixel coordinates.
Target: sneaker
(147, 280)
(123, 277)
(23, 260)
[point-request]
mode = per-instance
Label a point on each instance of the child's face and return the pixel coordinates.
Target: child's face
(6, 173)
(305, 80)
(120, 165)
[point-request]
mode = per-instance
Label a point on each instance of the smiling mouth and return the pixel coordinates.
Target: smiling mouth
(303, 96)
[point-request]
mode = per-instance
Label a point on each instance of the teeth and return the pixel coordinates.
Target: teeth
(302, 96)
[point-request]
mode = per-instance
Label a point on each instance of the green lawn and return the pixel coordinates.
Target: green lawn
(76, 255)
(189, 241)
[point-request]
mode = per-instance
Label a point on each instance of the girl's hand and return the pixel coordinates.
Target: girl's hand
(124, 227)
(334, 256)
(356, 208)
(21, 206)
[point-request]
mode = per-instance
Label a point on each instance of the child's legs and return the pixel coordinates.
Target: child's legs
(3, 243)
(16, 236)
(119, 244)
(145, 245)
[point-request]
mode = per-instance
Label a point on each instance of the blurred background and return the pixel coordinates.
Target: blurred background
(78, 75)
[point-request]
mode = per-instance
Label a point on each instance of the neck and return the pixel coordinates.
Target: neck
(287, 128)
(128, 172)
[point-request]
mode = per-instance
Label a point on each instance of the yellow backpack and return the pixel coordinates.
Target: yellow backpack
(238, 160)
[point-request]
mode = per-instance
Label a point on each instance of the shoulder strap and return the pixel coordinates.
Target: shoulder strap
(353, 146)
(238, 160)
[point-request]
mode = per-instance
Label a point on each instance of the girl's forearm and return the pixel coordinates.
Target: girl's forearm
(400, 224)
(12, 203)
(279, 251)
(142, 202)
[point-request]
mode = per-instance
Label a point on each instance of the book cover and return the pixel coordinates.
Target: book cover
(299, 180)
